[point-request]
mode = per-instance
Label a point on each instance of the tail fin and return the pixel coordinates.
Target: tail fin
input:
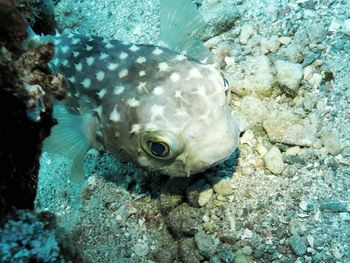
(71, 137)
(178, 20)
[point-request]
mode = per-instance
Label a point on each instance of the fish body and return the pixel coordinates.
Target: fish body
(150, 105)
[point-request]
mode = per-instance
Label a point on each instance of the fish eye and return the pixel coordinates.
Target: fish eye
(158, 149)
(161, 145)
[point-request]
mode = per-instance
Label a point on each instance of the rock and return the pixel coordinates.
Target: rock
(335, 206)
(205, 195)
(141, 249)
(298, 245)
(285, 40)
(346, 26)
(247, 250)
(317, 32)
(206, 244)
(289, 76)
(292, 53)
(227, 256)
(273, 160)
(221, 187)
(254, 109)
(184, 220)
(241, 120)
(188, 252)
(331, 142)
(218, 17)
(251, 77)
(246, 32)
(286, 127)
(194, 190)
(241, 258)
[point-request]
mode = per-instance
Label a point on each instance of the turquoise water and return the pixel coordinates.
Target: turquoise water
(282, 196)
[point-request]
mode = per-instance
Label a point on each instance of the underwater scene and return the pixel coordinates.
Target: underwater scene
(175, 131)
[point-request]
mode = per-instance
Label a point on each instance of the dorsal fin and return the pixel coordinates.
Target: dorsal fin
(178, 20)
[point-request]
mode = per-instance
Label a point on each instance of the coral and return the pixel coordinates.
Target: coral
(27, 238)
(26, 88)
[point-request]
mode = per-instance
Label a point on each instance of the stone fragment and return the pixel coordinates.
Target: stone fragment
(246, 32)
(254, 109)
(286, 127)
(285, 40)
(331, 142)
(289, 76)
(273, 160)
(141, 249)
(251, 77)
(221, 187)
(317, 32)
(184, 220)
(206, 244)
(298, 245)
(346, 26)
(188, 252)
(205, 195)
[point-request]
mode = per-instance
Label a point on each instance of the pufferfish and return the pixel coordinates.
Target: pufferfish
(155, 106)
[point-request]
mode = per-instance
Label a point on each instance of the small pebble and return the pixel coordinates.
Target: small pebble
(298, 245)
(222, 187)
(273, 160)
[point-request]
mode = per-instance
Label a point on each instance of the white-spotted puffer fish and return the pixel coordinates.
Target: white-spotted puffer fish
(147, 104)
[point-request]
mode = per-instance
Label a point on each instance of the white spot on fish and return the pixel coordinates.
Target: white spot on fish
(55, 61)
(86, 83)
(157, 110)
(109, 45)
(100, 76)
(64, 49)
(180, 57)
(101, 93)
(123, 73)
(112, 66)
(57, 41)
(75, 41)
(76, 53)
(134, 48)
(141, 60)
(115, 115)
(65, 62)
(71, 79)
(142, 87)
(135, 128)
(133, 102)
(158, 90)
(194, 73)
(88, 48)
(90, 60)
(163, 66)
(201, 91)
(123, 55)
(175, 76)
(178, 95)
(142, 73)
(157, 51)
(118, 90)
(78, 67)
(103, 55)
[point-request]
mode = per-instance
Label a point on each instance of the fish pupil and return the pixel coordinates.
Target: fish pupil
(157, 148)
